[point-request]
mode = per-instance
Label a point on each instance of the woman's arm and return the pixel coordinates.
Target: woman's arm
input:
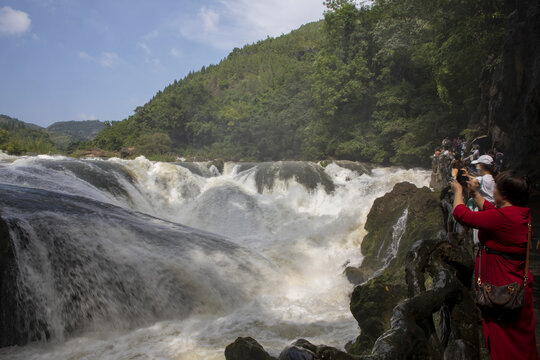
(487, 220)
(474, 185)
(458, 193)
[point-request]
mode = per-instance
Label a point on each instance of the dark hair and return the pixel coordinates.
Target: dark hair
(513, 187)
(489, 168)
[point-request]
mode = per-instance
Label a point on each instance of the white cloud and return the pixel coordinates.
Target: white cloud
(274, 17)
(109, 59)
(106, 59)
(13, 22)
(84, 55)
(145, 47)
(210, 19)
(233, 23)
(175, 52)
(151, 35)
(143, 43)
(149, 58)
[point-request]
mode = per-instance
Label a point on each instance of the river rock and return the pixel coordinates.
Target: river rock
(126, 152)
(294, 352)
(359, 167)
(218, 163)
(355, 275)
(423, 221)
(371, 305)
(310, 175)
(246, 348)
(12, 329)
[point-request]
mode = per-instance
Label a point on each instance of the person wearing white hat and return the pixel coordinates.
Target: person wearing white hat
(486, 182)
(484, 164)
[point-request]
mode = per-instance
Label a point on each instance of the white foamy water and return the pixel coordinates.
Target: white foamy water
(302, 238)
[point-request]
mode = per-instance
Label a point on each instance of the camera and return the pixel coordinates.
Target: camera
(462, 177)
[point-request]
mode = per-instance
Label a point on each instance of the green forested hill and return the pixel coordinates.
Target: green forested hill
(63, 133)
(18, 137)
(255, 104)
(381, 84)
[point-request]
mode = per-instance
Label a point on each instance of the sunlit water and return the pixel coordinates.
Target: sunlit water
(280, 279)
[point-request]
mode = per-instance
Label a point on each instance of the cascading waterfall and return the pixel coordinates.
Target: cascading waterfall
(139, 259)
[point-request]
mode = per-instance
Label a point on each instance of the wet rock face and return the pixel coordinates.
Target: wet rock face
(510, 104)
(4, 241)
(359, 167)
(308, 174)
(422, 221)
(246, 348)
(297, 353)
(11, 329)
(440, 172)
(371, 305)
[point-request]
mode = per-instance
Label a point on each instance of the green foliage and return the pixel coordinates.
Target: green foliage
(18, 138)
(380, 83)
(394, 78)
(157, 143)
(64, 133)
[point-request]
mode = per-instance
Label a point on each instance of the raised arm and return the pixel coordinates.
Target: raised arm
(474, 185)
(458, 193)
(487, 220)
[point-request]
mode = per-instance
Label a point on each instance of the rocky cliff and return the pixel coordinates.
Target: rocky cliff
(510, 106)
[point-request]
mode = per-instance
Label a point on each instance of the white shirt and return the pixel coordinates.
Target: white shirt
(487, 187)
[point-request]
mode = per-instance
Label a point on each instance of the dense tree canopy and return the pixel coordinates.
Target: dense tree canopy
(18, 137)
(381, 83)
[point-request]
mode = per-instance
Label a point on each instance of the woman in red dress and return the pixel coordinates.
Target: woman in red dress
(503, 228)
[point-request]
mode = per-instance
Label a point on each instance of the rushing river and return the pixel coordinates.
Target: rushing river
(133, 259)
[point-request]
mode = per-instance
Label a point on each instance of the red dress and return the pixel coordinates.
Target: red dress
(504, 230)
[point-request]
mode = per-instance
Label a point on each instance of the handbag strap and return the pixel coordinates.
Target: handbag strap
(529, 245)
(525, 271)
(479, 279)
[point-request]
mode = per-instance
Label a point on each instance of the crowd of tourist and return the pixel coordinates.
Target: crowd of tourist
(458, 153)
(493, 203)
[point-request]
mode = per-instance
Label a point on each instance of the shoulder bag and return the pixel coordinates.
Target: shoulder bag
(510, 297)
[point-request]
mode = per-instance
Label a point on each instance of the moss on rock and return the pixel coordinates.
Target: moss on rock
(246, 348)
(371, 305)
(423, 221)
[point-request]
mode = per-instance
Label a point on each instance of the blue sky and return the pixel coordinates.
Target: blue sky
(100, 59)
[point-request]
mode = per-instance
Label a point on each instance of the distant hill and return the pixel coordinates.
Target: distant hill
(18, 137)
(254, 105)
(381, 83)
(9, 123)
(63, 133)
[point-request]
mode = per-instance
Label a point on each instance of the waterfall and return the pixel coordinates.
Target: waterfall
(397, 232)
(390, 252)
(132, 258)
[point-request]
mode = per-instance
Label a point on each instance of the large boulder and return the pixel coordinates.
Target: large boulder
(420, 217)
(294, 352)
(372, 304)
(246, 348)
(396, 221)
(302, 349)
(10, 333)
